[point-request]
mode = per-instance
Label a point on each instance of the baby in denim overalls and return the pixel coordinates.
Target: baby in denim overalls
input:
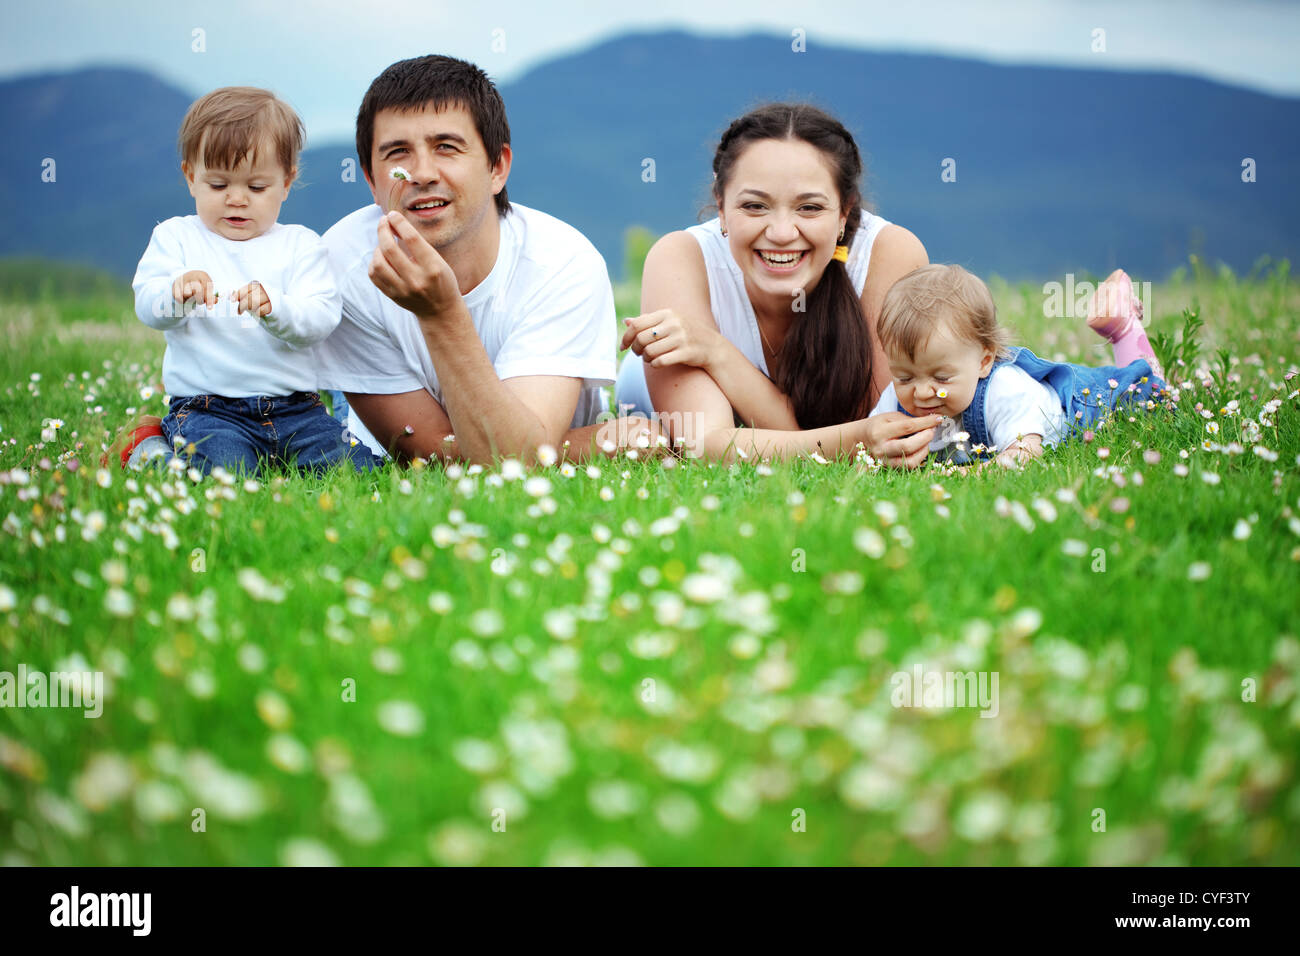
(938, 328)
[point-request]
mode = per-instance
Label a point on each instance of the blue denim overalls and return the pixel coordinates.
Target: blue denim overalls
(1084, 391)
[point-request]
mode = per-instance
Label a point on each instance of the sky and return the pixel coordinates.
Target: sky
(322, 55)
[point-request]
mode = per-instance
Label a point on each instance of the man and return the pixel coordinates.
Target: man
(472, 327)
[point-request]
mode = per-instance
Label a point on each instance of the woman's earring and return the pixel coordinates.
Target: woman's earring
(724, 232)
(841, 239)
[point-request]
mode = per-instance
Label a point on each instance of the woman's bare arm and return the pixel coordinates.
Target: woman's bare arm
(698, 414)
(675, 278)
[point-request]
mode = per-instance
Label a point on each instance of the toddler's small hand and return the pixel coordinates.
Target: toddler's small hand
(253, 299)
(195, 284)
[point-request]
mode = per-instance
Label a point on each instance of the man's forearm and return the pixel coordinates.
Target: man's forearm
(487, 418)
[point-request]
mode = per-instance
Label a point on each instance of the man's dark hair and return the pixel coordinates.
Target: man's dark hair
(436, 82)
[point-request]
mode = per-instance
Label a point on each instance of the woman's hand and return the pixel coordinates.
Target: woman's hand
(664, 338)
(899, 440)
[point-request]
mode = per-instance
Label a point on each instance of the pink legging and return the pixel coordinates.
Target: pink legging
(1134, 345)
(1115, 300)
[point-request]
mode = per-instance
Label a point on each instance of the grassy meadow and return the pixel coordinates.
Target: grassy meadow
(660, 661)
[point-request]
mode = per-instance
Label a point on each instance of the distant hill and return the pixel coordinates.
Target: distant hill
(1057, 169)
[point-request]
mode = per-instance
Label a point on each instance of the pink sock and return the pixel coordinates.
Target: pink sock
(1114, 307)
(1134, 345)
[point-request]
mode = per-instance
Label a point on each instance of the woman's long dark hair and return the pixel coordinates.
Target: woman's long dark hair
(825, 367)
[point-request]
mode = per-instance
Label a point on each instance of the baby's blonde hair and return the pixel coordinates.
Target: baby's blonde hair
(233, 122)
(938, 297)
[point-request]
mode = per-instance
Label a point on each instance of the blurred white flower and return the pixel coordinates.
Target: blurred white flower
(306, 851)
(983, 816)
(287, 753)
(487, 622)
(401, 718)
(1025, 622)
(224, 793)
(560, 623)
(158, 802)
(477, 756)
(704, 588)
(119, 603)
(536, 486)
(865, 786)
(869, 541)
(106, 779)
(458, 843)
(677, 813)
(614, 799)
(258, 587)
(685, 762)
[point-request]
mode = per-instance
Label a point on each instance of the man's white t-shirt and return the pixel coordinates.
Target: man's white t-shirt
(1016, 405)
(546, 308)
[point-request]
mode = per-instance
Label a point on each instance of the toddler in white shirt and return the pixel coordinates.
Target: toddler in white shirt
(242, 300)
(949, 357)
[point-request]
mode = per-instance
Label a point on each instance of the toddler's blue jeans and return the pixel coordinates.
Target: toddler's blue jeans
(292, 429)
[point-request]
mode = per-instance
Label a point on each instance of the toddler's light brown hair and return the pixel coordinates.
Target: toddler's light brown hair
(936, 297)
(234, 122)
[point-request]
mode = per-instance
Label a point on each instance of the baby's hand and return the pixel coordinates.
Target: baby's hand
(1018, 453)
(195, 284)
(253, 299)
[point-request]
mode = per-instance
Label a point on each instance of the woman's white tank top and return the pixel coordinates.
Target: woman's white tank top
(728, 300)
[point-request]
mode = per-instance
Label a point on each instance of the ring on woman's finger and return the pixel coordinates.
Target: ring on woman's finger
(654, 333)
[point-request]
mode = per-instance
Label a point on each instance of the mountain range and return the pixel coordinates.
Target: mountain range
(1056, 170)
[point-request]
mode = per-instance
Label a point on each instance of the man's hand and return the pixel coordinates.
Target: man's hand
(252, 299)
(410, 272)
(195, 284)
(665, 338)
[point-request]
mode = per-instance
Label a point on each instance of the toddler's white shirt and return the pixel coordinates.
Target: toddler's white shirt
(1016, 405)
(216, 351)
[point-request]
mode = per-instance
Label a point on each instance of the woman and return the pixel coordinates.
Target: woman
(755, 320)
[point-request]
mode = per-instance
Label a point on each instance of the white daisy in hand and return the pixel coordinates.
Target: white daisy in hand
(401, 179)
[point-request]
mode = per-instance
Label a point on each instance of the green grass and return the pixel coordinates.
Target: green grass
(770, 638)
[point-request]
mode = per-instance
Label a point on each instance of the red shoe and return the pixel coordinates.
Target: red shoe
(142, 427)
